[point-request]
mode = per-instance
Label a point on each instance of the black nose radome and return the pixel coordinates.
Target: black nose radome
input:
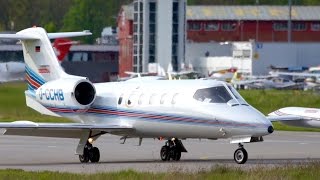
(270, 129)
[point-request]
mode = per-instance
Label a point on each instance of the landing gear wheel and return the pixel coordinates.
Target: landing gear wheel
(176, 155)
(240, 156)
(164, 153)
(84, 158)
(94, 155)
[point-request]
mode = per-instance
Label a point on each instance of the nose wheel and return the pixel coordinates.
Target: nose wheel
(240, 155)
(172, 150)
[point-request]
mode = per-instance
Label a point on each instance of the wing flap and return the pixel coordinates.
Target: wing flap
(63, 130)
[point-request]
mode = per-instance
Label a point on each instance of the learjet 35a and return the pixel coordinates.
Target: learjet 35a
(164, 109)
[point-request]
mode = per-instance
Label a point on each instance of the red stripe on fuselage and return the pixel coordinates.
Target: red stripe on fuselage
(31, 81)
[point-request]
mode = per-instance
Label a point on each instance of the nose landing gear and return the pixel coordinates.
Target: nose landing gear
(172, 150)
(240, 155)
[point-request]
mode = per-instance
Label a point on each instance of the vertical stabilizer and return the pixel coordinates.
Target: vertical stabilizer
(41, 62)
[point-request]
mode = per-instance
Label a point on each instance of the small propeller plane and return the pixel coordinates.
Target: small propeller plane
(163, 109)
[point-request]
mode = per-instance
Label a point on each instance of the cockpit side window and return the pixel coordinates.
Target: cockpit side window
(217, 94)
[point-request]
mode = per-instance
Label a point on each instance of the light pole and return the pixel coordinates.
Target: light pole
(289, 22)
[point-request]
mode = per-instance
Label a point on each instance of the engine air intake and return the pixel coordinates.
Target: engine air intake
(84, 93)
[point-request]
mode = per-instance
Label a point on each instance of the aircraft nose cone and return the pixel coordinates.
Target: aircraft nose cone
(270, 129)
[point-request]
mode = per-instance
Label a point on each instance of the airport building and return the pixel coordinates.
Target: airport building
(207, 26)
(261, 23)
(152, 35)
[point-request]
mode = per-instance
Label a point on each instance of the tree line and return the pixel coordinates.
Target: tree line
(94, 15)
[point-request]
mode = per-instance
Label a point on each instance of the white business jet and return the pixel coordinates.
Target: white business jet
(297, 116)
(164, 109)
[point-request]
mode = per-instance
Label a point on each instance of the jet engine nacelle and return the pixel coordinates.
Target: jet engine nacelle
(72, 93)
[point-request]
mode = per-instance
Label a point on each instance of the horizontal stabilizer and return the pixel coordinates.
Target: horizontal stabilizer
(18, 37)
(69, 34)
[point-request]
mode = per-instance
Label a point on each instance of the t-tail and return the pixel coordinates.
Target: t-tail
(48, 85)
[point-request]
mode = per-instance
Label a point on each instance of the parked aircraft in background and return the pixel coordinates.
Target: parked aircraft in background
(297, 116)
(171, 110)
(15, 71)
(62, 47)
(12, 71)
(223, 75)
(311, 77)
(264, 82)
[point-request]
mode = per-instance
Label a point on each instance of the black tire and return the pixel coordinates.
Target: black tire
(164, 153)
(84, 158)
(94, 155)
(240, 156)
(177, 155)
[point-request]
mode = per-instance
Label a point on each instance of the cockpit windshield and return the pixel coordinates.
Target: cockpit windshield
(217, 94)
(237, 95)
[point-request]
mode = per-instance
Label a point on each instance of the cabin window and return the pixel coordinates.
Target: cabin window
(140, 101)
(217, 94)
(120, 99)
(174, 98)
(152, 99)
(163, 98)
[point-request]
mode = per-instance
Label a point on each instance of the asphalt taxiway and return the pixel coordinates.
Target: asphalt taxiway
(56, 154)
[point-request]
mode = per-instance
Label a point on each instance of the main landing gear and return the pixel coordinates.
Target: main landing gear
(90, 153)
(172, 150)
(240, 155)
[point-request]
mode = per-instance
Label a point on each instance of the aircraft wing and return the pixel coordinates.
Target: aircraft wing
(298, 74)
(274, 118)
(63, 130)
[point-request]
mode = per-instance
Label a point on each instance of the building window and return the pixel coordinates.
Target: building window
(135, 39)
(228, 26)
(174, 62)
(280, 26)
(152, 49)
(152, 17)
(152, 39)
(152, 59)
(315, 26)
(135, 6)
(299, 26)
(175, 38)
(152, 6)
(175, 6)
(152, 28)
(211, 27)
(194, 26)
(135, 28)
